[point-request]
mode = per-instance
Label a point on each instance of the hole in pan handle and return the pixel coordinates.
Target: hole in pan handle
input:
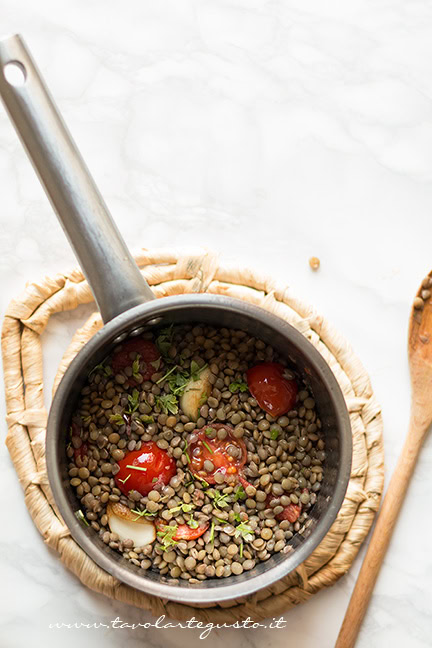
(112, 273)
(15, 73)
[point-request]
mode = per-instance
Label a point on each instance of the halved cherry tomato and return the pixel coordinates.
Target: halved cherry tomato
(218, 452)
(145, 469)
(184, 531)
(274, 393)
(146, 349)
(290, 512)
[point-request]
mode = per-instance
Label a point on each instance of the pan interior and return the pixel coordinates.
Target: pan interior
(298, 352)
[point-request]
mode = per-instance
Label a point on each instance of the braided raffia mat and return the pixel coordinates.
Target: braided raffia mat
(172, 273)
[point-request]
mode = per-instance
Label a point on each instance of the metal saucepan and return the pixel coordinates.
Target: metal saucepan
(128, 308)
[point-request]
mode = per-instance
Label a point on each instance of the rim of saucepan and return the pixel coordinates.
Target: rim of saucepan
(83, 536)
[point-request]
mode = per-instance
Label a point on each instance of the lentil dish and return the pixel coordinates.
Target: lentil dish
(196, 452)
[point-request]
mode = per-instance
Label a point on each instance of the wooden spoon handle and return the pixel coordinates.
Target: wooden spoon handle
(380, 539)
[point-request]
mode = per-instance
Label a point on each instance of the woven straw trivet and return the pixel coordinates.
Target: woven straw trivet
(172, 273)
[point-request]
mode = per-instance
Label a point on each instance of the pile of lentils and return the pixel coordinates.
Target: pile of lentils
(285, 458)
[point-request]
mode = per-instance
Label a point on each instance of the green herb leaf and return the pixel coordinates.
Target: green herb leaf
(185, 508)
(237, 517)
(164, 340)
(203, 400)
(195, 370)
(209, 431)
(192, 478)
(123, 481)
(156, 364)
(167, 403)
(86, 419)
(220, 500)
(186, 454)
(136, 366)
(192, 523)
(154, 480)
(177, 381)
(80, 516)
(212, 528)
(239, 493)
(274, 433)
(207, 446)
(106, 370)
(118, 419)
(245, 531)
(241, 550)
(238, 386)
(140, 514)
(224, 522)
(204, 483)
(133, 401)
(166, 375)
(136, 468)
(145, 418)
(167, 534)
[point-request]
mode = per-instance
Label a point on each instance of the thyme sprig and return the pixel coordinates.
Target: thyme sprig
(166, 536)
(220, 500)
(167, 403)
(140, 514)
(136, 366)
(239, 493)
(133, 401)
(105, 369)
(245, 531)
(235, 387)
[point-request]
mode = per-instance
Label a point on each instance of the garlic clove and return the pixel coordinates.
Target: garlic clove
(195, 394)
(130, 526)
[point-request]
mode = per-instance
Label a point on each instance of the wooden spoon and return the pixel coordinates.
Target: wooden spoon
(420, 363)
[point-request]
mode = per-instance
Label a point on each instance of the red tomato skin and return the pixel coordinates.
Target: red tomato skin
(81, 451)
(160, 468)
(146, 349)
(274, 393)
(218, 458)
(244, 482)
(184, 531)
(290, 513)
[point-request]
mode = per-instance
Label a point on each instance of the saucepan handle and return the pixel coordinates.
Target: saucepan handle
(113, 275)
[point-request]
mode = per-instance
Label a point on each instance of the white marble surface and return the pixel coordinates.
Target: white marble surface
(270, 130)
